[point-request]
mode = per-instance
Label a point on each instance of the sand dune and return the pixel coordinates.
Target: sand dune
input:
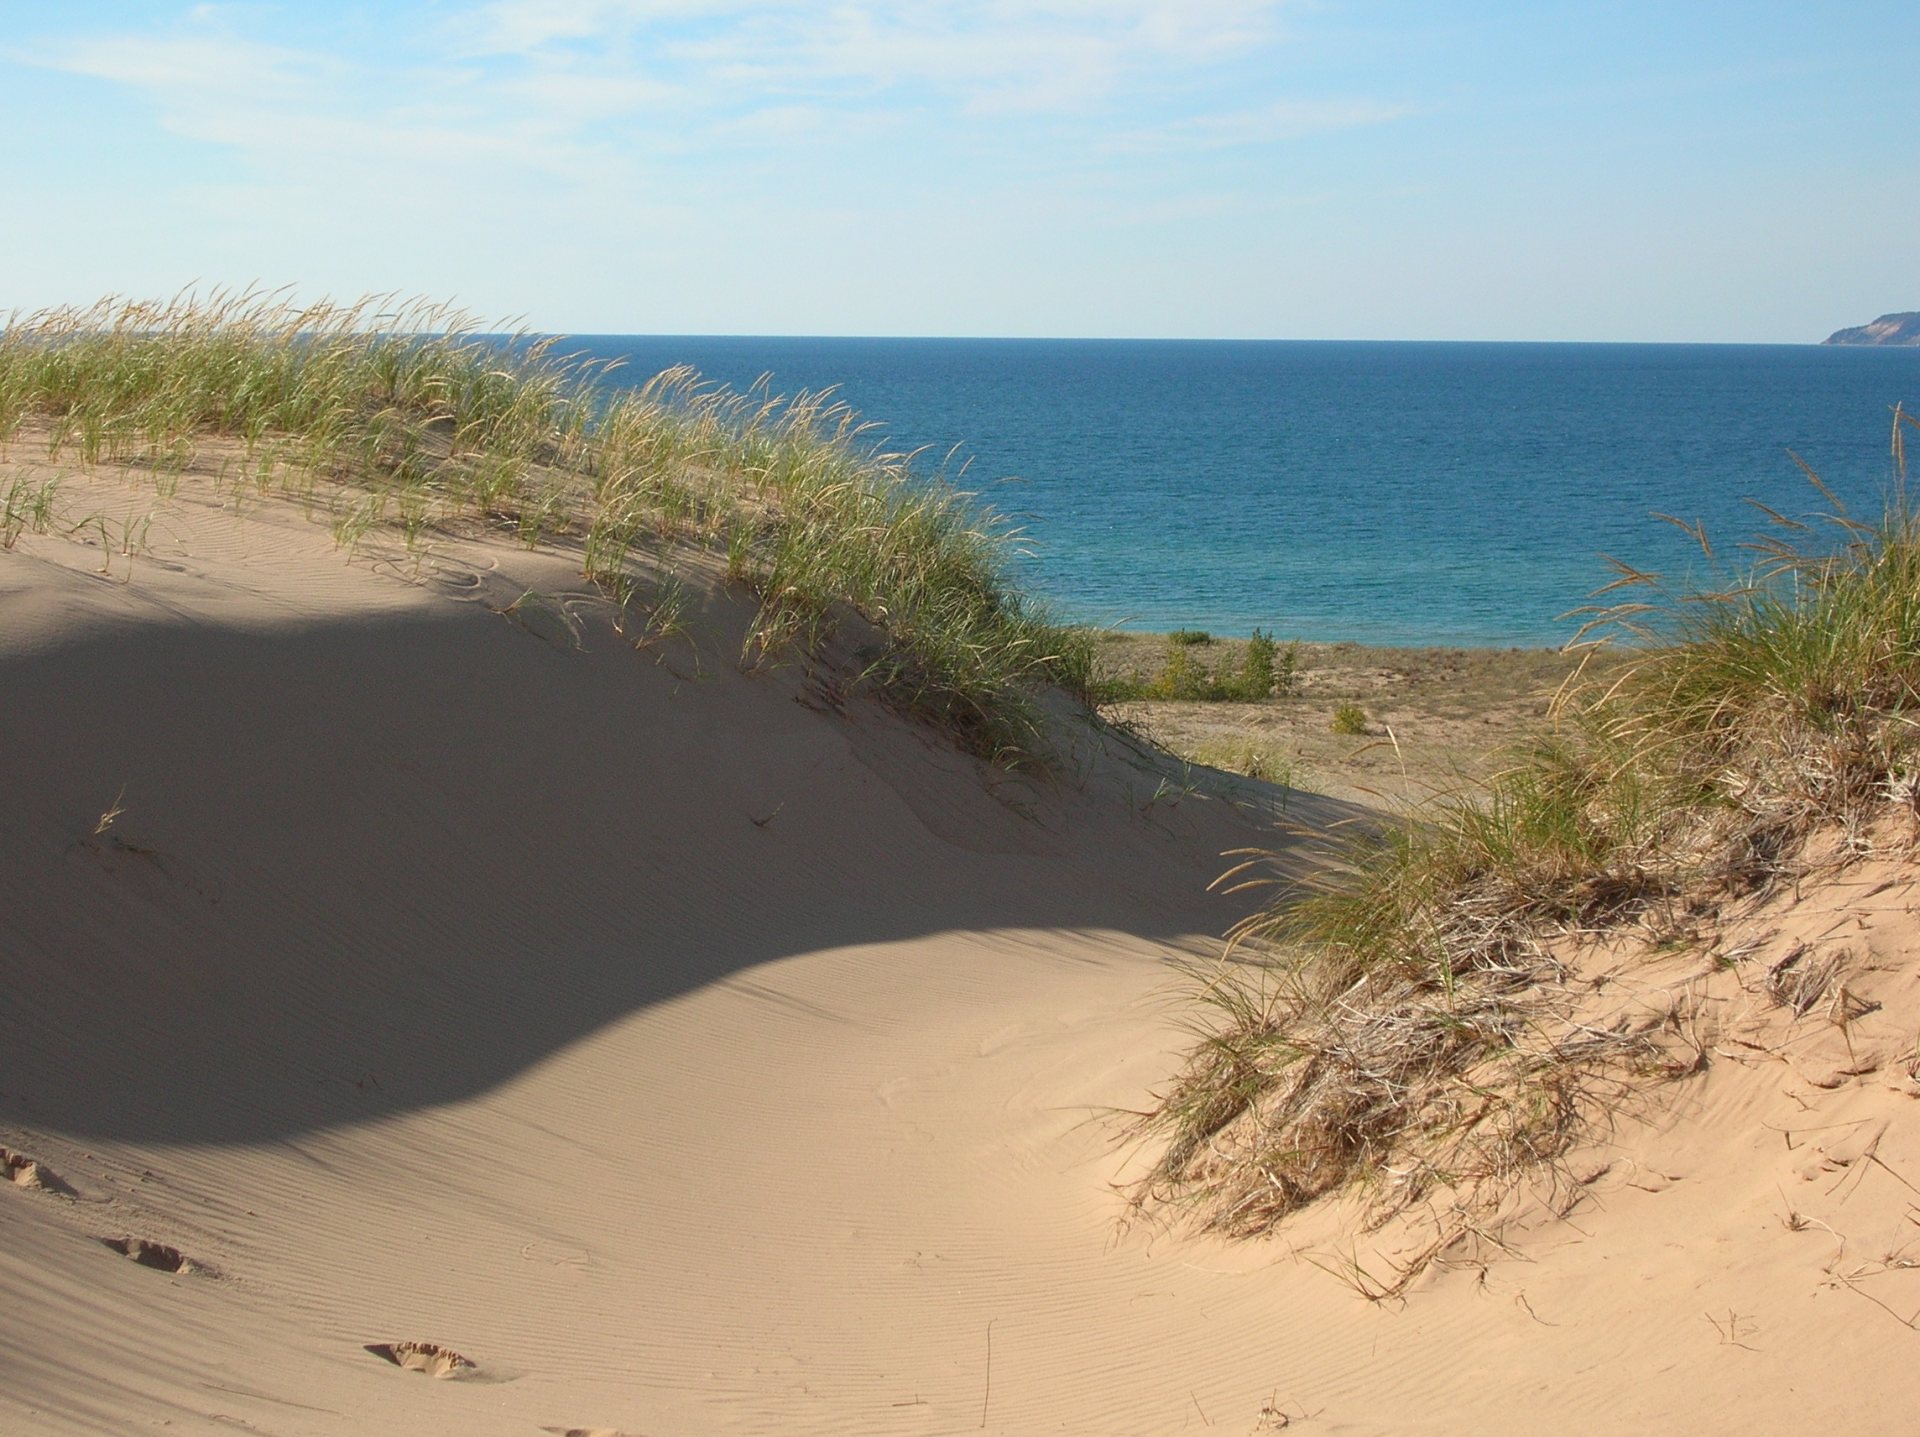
(424, 1013)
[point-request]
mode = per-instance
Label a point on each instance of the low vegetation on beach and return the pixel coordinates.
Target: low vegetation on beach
(1404, 1021)
(402, 415)
(1249, 671)
(1356, 721)
(1408, 1022)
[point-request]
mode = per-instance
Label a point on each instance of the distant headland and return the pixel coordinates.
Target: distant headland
(1887, 329)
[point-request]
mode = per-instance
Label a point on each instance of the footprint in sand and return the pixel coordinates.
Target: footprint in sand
(157, 1255)
(25, 1172)
(428, 1357)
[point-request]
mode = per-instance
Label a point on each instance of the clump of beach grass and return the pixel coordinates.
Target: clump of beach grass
(26, 508)
(392, 414)
(1407, 1024)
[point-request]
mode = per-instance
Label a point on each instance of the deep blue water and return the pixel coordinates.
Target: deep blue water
(1386, 492)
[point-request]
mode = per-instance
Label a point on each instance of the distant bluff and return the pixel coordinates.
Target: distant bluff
(1887, 329)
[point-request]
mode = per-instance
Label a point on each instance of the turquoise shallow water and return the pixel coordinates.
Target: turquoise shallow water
(1385, 492)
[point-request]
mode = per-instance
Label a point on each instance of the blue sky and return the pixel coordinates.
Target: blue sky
(1231, 168)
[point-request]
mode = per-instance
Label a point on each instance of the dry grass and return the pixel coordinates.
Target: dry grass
(1407, 1023)
(402, 416)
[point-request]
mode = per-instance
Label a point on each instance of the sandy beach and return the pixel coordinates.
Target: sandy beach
(1161, 718)
(426, 1013)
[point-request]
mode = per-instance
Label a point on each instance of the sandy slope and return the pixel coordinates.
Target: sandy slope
(697, 1054)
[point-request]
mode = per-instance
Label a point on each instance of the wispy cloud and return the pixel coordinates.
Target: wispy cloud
(524, 81)
(1274, 123)
(986, 55)
(220, 68)
(589, 91)
(290, 106)
(952, 165)
(647, 138)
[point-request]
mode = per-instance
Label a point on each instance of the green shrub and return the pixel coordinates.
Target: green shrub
(1252, 675)
(1183, 676)
(1286, 677)
(1258, 670)
(1129, 687)
(1349, 719)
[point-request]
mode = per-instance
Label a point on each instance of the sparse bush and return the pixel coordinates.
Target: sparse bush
(1286, 678)
(1249, 674)
(1257, 667)
(1120, 688)
(1349, 718)
(1183, 676)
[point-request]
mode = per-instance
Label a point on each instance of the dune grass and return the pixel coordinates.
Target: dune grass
(1402, 1023)
(400, 414)
(26, 509)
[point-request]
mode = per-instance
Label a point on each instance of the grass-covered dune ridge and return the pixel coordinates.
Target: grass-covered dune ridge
(1414, 1021)
(404, 414)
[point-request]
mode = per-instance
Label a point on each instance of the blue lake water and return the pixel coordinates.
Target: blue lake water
(1385, 492)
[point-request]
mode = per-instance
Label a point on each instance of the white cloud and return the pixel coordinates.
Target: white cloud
(989, 55)
(1265, 125)
(218, 67)
(518, 27)
(589, 144)
(290, 108)
(567, 99)
(539, 83)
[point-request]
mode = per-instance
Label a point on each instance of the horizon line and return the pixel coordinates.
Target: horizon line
(566, 333)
